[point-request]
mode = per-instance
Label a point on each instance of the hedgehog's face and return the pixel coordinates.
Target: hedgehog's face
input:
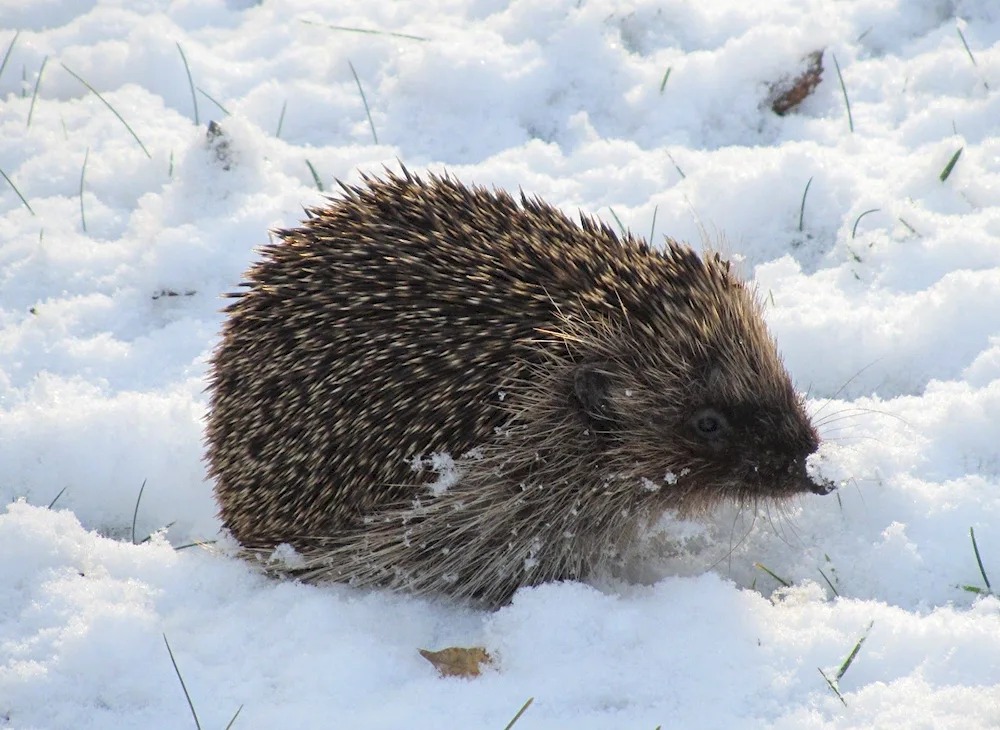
(751, 450)
(706, 446)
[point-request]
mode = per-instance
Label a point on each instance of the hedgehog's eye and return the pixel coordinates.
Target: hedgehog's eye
(591, 382)
(709, 424)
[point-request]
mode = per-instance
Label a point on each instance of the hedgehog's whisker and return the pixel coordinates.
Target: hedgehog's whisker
(733, 547)
(855, 411)
(842, 387)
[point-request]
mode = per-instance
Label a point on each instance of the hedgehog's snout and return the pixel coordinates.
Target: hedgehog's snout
(821, 487)
(806, 482)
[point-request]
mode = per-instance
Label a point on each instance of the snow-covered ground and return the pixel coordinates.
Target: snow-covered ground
(110, 288)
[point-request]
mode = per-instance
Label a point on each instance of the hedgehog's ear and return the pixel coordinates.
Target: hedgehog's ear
(591, 388)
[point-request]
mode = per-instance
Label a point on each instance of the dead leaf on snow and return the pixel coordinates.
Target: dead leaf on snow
(788, 93)
(456, 661)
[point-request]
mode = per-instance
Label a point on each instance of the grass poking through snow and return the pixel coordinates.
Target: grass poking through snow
(843, 87)
(319, 183)
(212, 99)
(18, 192)
(666, 76)
(854, 230)
(802, 205)
(845, 665)
(10, 47)
(135, 512)
(83, 221)
(676, 166)
(194, 96)
(910, 228)
(982, 570)
(785, 583)
(108, 105)
(365, 31)
(969, 51)
(187, 695)
(34, 93)
(835, 591)
(951, 165)
(180, 677)
(520, 712)
(281, 120)
(618, 220)
(56, 498)
(364, 100)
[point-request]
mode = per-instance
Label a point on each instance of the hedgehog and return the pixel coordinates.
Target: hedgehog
(445, 389)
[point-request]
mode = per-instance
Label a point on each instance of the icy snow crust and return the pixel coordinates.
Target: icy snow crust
(104, 336)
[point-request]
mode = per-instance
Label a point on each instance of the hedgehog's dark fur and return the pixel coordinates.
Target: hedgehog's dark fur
(583, 384)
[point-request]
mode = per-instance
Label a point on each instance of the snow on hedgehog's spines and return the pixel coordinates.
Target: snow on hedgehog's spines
(568, 372)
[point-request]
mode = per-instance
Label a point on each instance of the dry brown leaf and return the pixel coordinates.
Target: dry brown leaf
(787, 94)
(457, 661)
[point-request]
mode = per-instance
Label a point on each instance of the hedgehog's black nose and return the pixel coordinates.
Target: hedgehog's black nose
(808, 483)
(824, 486)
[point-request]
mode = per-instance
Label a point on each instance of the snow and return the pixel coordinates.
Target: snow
(892, 329)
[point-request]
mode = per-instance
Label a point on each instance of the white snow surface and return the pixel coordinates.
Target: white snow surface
(891, 323)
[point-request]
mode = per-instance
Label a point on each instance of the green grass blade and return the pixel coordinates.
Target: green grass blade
(56, 498)
(108, 105)
(281, 120)
(676, 166)
(833, 686)
(783, 582)
(10, 48)
(173, 661)
(854, 652)
(364, 101)
(365, 31)
(979, 560)
(835, 591)
(666, 77)
(951, 165)
(319, 183)
(802, 205)
(967, 49)
(854, 230)
(196, 543)
(187, 70)
(520, 712)
(843, 88)
(135, 512)
(83, 222)
(971, 57)
(617, 220)
(211, 99)
(14, 188)
(238, 711)
(34, 94)
(149, 537)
